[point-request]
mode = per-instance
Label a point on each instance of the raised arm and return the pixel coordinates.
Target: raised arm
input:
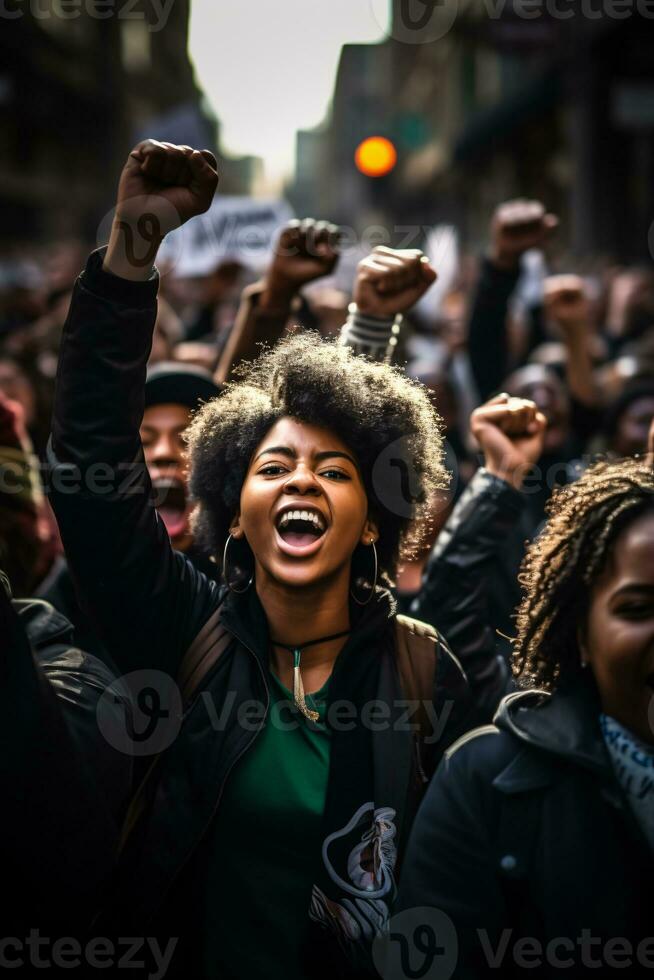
(146, 601)
(387, 284)
(567, 305)
(306, 251)
(455, 590)
(516, 227)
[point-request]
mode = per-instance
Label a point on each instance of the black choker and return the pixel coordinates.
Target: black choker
(298, 687)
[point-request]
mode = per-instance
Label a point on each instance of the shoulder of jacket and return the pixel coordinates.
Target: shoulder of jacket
(43, 624)
(410, 627)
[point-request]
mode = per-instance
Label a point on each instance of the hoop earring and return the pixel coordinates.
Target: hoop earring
(226, 576)
(365, 602)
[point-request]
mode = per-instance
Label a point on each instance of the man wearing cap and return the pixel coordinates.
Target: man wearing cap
(172, 392)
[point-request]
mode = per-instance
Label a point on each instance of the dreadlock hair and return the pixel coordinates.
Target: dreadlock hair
(562, 564)
(374, 408)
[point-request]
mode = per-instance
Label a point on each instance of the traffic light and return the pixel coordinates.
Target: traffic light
(375, 156)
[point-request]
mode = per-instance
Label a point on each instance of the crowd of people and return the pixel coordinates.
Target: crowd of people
(398, 571)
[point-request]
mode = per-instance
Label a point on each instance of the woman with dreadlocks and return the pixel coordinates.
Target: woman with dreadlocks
(536, 836)
(267, 836)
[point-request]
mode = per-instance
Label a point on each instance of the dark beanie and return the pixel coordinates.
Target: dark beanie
(179, 384)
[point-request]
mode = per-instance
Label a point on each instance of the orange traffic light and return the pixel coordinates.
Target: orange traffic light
(376, 156)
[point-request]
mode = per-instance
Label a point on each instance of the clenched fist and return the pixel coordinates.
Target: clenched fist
(306, 250)
(161, 187)
(566, 302)
(510, 433)
(390, 281)
(516, 227)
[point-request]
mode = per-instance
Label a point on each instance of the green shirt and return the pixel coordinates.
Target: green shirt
(265, 846)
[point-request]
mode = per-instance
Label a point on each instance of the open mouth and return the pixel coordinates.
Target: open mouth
(301, 530)
(171, 504)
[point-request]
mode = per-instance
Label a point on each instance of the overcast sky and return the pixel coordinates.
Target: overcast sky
(268, 67)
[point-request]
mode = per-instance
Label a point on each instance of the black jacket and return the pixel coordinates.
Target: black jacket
(66, 785)
(525, 834)
(151, 604)
(469, 588)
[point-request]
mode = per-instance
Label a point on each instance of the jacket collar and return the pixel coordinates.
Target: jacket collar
(244, 617)
(564, 724)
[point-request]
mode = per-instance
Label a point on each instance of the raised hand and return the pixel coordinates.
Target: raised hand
(510, 433)
(161, 187)
(390, 281)
(566, 303)
(516, 227)
(306, 250)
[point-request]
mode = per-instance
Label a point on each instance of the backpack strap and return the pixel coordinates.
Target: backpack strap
(202, 655)
(416, 649)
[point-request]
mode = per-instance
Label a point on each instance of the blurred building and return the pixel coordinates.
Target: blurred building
(79, 84)
(490, 99)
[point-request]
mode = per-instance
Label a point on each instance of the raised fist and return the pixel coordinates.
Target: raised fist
(161, 187)
(305, 250)
(566, 302)
(184, 178)
(390, 281)
(516, 227)
(510, 433)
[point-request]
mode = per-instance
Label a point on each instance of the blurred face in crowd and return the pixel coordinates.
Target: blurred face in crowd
(619, 636)
(304, 507)
(633, 427)
(541, 386)
(15, 384)
(162, 433)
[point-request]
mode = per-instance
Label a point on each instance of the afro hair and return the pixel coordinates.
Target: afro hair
(386, 419)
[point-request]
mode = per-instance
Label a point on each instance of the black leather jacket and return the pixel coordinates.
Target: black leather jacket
(469, 565)
(66, 785)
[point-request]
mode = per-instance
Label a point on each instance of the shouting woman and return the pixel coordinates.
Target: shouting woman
(536, 838)
(267, 834)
